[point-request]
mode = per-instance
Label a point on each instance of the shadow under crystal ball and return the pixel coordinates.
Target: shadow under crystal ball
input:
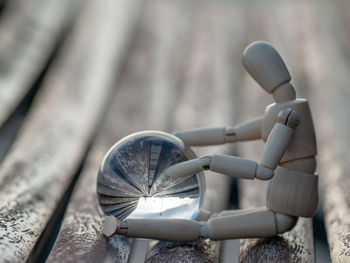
(131, 182)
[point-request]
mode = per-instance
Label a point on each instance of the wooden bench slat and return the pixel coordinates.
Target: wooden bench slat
(296, 245)
(326, 72)
(209, 81)
(44, 168)
(141, 102)
(156, 92)
(29, 32)
(65, 114)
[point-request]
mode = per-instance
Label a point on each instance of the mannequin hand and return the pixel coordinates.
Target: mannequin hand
(110, 226)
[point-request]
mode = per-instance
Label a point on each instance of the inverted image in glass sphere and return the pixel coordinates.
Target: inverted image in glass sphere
(131, 182)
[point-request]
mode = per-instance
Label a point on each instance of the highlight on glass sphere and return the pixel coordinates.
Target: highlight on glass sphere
(131, 182)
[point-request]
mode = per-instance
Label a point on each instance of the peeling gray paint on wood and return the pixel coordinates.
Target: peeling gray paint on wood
(294, 246)
(80, 238)
(202, 251)
(59, 127)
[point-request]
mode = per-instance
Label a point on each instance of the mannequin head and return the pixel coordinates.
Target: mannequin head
(266, 66)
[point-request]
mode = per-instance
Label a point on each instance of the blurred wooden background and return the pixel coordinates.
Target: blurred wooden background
(76, 76)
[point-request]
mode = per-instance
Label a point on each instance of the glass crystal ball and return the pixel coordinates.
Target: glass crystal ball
(131, 182)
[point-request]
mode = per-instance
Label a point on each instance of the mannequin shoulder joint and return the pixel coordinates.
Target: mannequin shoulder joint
(288, 117)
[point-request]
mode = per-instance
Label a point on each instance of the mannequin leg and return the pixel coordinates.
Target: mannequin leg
(235, 212)
(252, 223)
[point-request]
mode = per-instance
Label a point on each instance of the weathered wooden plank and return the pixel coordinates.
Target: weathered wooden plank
(211, 78)
(296, 245)
(147, 87)
(211, 71)
(60, 125)
(158, 91)
(30, 30)
(326, 66)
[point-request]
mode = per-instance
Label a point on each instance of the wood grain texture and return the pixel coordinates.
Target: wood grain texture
(60, 125)
(325, 65)
(146, 88)
(296, 245)
(183, 71)
(29, 32)
(167, 84)
(212, 68)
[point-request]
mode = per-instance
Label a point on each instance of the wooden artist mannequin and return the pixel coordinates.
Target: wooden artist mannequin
(288, 162)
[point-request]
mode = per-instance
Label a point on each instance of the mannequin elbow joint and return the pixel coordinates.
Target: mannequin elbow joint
(263, 173)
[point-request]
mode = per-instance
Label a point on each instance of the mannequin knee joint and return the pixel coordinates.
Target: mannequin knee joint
(285, 223)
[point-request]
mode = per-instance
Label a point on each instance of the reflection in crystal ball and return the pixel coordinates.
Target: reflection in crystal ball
(131, 182)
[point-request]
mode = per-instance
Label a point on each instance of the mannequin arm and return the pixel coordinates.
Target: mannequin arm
(213, 136)
(225, 164)
(275, 147)
(279, 138)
